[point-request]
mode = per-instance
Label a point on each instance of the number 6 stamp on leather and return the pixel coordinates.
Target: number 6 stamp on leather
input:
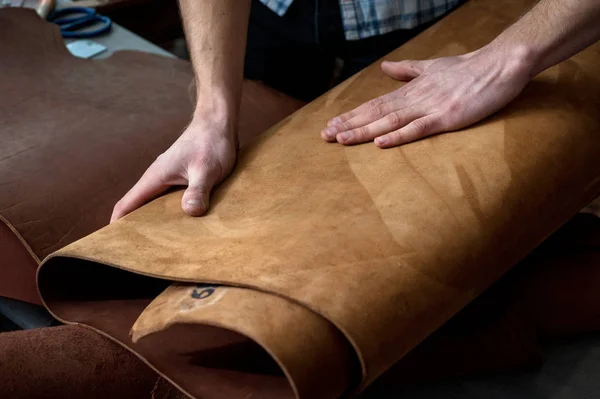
(176, 304)
(205, 295)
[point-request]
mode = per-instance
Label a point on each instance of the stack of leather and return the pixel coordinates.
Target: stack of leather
(76, 135)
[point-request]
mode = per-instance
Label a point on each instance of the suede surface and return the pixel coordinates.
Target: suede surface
(324, 282)
(368, 251)
(77, 134)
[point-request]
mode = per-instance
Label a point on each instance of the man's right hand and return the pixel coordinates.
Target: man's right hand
(205, 153)
(202, 157)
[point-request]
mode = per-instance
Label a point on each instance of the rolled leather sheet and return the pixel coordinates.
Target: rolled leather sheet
(488, 335)
(500, 330)
(550, 294)
(311, 245)
(109, 138)
(76, 134)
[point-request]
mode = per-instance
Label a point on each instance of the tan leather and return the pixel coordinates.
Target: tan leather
(384, 245)
(486, 336)
(492, 333)
(77, 134)
(553, 293)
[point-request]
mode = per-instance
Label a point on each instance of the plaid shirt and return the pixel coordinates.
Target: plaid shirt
(366, 18)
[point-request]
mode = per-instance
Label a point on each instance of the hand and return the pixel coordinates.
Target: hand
(443, 94)
(202, 157)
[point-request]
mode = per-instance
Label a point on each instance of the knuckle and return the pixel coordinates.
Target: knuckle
(201, 189)
(204, 161)
(344, 126)
(375, 112)
(374, 102)
(361, 132)
(159, 159)
(163, 178)
(454, 106)
(159, 173)
(394, 120)
(395, 138)
(118, 206)
(207, 166)
(422, 125)
(448, 121)
(342, 118)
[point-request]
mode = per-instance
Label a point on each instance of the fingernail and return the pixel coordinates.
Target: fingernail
(343, 136)
(333, 121)
(195, 203)
(329, 132)
(381, 140)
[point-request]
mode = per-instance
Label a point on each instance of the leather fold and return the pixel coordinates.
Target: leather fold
(368, 251)
(280, 327)
(76, 134)
(18, 265)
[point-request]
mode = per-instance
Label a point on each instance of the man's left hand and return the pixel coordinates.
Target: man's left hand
(441, 95)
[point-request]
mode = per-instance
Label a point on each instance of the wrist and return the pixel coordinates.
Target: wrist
(217, 114)
(516, 60)
(213, 100)
(214, 106)
(519, 58)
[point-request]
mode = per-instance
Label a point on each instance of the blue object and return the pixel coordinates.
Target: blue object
(72, 20)
(24, 315)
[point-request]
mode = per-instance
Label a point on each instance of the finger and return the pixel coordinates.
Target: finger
(196, 198)
(150, 186)
(389, 123)
(417, 129)
(404, 71)
(361, 109)
(371, 115)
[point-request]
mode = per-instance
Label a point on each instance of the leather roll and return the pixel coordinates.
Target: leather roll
(320, 266)
(77, 134)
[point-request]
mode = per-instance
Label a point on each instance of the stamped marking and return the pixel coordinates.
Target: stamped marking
(202, 295)
(202, 292)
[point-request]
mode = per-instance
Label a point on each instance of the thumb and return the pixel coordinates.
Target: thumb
(404, 71)
(196, 198)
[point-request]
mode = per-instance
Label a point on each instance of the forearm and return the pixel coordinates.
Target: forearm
(216, 34)
(550, 32)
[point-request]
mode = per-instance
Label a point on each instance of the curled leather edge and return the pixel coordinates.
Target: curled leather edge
(23, 263)
(20, 238)
(354, 361)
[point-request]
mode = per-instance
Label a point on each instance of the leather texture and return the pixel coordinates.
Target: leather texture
(69, 362)
(378, 247)
(84, 363)
(17, 266)
(77, 134)
(498, 331)
(550, 294)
